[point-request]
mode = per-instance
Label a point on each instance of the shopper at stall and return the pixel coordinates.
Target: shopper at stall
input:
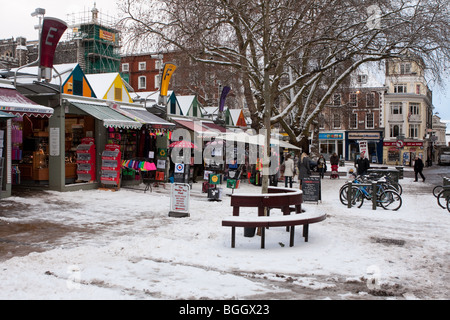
(304, 168)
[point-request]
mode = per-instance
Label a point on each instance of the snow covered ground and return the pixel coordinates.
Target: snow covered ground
(123, 245)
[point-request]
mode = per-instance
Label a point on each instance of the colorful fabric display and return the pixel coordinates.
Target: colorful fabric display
(138, 165)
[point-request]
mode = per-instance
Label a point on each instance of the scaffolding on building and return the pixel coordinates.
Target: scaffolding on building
(98, 41)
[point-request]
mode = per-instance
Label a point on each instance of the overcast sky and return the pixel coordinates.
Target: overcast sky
(16, 20)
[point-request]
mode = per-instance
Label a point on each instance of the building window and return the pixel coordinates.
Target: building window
(353, 101)
(142, 66)
(353, 121)
(142, 83)
(418, 88)
(400, 88)
(362, 78)
(405, 68)
(414, 109)
(337, 99)
(414, 131)
(321, 121)
(370, 123)
(118, 94)
(370, 99)
(157, 81)
(336, 121)
(396, 130)
(126, 67)
(396, 108)
(158, 64)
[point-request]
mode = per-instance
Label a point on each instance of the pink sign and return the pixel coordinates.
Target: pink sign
(52, 31)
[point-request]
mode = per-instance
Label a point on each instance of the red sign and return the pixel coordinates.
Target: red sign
(52, 31)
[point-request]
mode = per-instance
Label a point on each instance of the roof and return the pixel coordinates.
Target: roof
(102, 82)
(185, 103)
(142, 115)
(15, 103)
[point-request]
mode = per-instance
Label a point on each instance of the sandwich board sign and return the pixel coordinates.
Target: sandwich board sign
(179, 200)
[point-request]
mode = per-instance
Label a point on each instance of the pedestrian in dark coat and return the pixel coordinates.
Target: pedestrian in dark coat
(362, 165)
(304, 168)
(418, 167)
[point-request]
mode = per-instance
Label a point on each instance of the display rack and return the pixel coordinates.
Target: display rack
(86, 164)
(111, 166)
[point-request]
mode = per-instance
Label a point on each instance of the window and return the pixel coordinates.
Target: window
(353, 101)
(321, 121)
(157, 81)
(353, 124)
(142, 82)
(400, 88)
(396, 108)
(362, 78)
(370, 99)
(142, 66)
(126, 67)
(370, 123)
(414, 130)
(118, 94)
(418, 88)
(158, 64)
(414, 108)
(336, 121)
(337, 99)
(396, 130)
(405, 68)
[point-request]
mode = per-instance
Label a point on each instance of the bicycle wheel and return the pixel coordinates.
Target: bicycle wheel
(437, 190)
(357, 197)
(390, 200)
(343, 194)
(448, 204)
(441, 199)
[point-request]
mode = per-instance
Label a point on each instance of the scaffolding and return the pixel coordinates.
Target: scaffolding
(98, 41)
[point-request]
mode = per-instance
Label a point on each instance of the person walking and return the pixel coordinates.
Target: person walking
(362, 165)
(418, 167)
(321, 166)
(289, 167)
(304, 168)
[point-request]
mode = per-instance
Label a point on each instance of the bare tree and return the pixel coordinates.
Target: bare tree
(294, 51)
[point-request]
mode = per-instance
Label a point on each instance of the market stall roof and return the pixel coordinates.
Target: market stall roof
(13, 102)
(103, 112)
(214, 126)
(193, 125)
(4, 115)
(140, 114)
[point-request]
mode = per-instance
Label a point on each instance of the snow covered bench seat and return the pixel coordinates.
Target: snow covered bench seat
(264, 222)
(288, 200)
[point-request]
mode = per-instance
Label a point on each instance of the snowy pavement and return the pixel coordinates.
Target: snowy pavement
(123, 245)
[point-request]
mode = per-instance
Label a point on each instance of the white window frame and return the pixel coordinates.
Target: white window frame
(414, 130)
(336, 119)
(353, 99)
(353, 124)
(126, 67)
(157, 81)
(142, 66)
(414, 108)
(335, 101)
(142, 85)
(396, 108)
(370, 123)
(400, 130)
(405, 68)
(401, 88)
(372, 99)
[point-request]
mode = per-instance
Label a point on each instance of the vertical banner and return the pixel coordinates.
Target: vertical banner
(52, 31)
(223, 97)
(169, 69)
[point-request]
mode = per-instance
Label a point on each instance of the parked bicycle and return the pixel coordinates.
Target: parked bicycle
(442, 195)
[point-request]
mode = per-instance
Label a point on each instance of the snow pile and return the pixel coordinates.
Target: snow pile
(123, 245)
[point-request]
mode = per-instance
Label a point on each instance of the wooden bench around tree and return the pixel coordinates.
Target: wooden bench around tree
(288, 200)
(291, 221)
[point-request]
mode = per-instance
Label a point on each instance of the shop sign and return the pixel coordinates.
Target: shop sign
(331, 136)
(52, 31)
(364, 136)
(406, 144)
(54, 141)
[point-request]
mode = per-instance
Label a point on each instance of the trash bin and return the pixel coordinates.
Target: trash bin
(249, 232)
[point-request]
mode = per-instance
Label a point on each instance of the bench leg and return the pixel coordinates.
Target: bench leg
(306, 231)
(291, 242)
(263, 236)
(233, 237)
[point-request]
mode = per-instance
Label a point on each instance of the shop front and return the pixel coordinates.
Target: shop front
(403, 152)
(331, 142)
(24, 139)
(371, 142)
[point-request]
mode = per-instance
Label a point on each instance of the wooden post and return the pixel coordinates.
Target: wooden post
(291, 242)
(349, 195)
(374, 195)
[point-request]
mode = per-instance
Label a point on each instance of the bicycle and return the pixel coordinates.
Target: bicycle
(387, 198)
(443, 199)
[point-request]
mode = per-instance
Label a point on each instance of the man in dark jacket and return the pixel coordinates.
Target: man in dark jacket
(418, 167)
(362, 165)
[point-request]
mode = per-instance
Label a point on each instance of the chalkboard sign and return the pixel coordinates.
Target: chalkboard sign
(312, 189)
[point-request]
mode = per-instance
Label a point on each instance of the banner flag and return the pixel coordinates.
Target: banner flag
(52, 31)
(225, 92)
(169, 69)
